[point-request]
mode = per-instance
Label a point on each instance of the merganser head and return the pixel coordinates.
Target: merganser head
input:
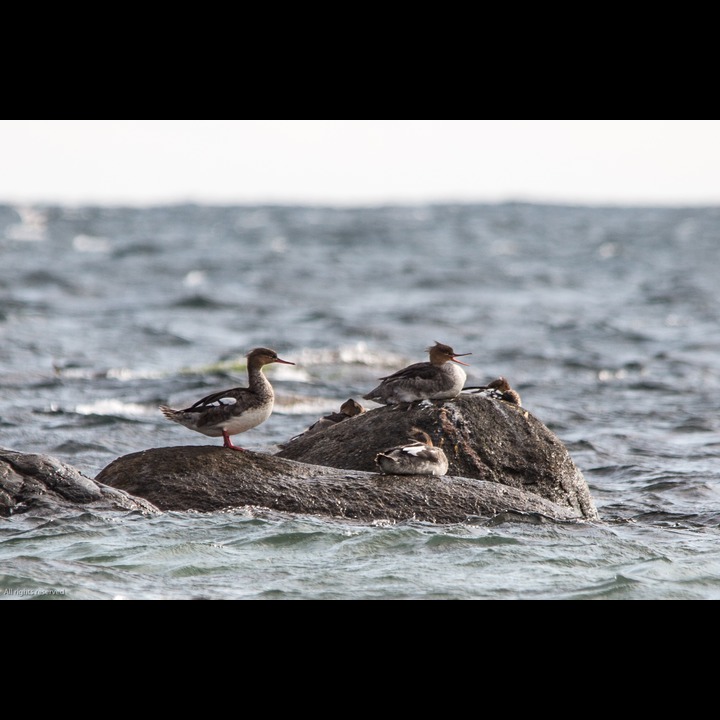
(500, 384)
(440, 354)
(265, 356)
(420, 436)
(351, 408)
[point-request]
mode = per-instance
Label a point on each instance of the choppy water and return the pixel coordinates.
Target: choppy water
(605, 320)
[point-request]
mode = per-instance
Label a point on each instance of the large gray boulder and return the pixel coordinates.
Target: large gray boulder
(209, 478)
(503, 462)
(44, 484)
(483, 438)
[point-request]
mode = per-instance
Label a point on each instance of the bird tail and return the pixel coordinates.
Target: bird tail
(169, 413)
(384, 457)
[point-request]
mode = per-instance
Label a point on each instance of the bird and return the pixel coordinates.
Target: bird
(350, 408)
(438, 379)
(419, 457)
(246, 407)
(499, 388)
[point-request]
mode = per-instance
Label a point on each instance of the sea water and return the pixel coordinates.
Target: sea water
(604, 319)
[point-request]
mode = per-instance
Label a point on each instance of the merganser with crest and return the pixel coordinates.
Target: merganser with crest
(439, 379)
(499, 388)
(419, 457)
(247, 407)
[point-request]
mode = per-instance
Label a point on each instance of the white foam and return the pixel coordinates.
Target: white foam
(355, 354)
(115, 407)
(91, 244)
(31, 228)
(304, 405)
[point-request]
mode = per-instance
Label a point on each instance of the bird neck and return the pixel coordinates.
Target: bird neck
(256, 377)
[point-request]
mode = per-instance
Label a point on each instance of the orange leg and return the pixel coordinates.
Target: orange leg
(228, 443)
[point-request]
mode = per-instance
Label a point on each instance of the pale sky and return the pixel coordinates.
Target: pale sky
(359, 162)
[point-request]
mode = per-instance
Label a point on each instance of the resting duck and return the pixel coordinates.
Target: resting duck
(350, 408)
(499, 388)
(439, 379)
(419, 457)
(247, 407)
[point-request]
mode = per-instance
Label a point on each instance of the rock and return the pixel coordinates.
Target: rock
(483, 438)
(210, 478)
(44, 483)
(504, 463)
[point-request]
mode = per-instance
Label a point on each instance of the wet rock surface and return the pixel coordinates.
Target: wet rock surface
(483, 438)
(211, 478)
(42, 483)
(502, 462)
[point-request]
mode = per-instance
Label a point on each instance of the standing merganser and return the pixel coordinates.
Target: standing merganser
(438, 379)
(499, 388)
(350, 408)
(249, 407)
(419, 457)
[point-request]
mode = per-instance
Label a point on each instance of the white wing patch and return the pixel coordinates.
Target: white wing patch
(414, 449)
